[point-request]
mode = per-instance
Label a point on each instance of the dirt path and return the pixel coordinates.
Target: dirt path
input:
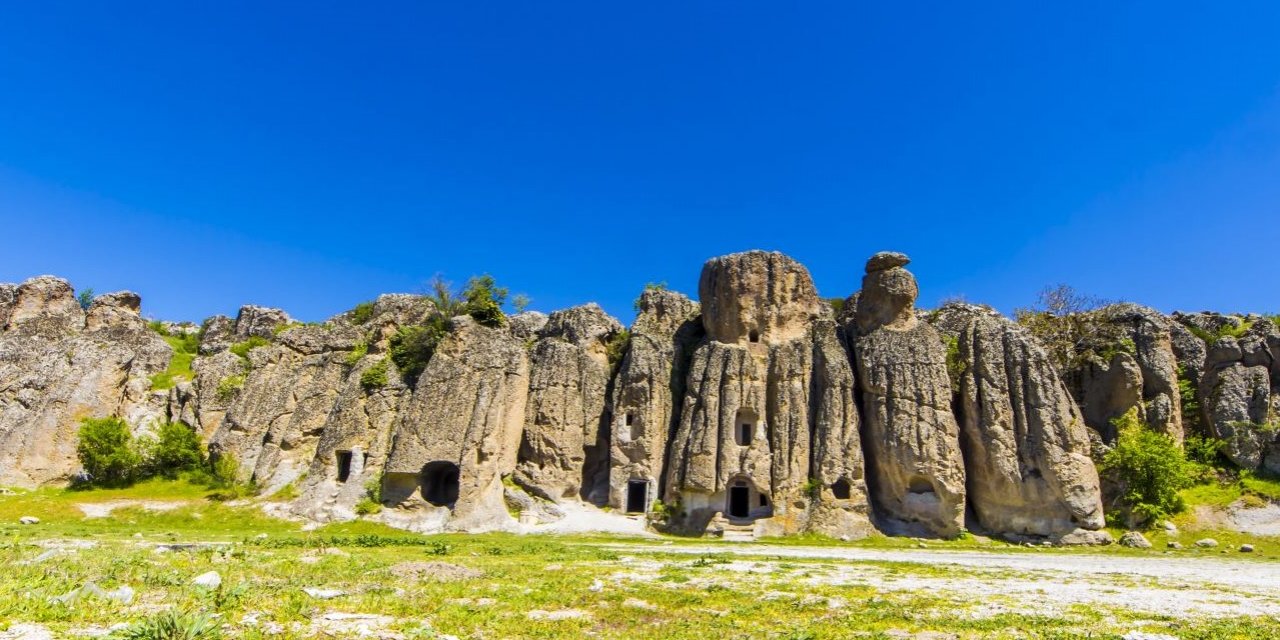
(1225, 571)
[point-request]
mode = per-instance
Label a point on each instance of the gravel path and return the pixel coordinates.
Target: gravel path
(1225, 571)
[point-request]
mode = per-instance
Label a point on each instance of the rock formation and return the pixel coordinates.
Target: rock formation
(60, 364)
(753, 407)
(757, 410)
(1026, 447)
(914, 466)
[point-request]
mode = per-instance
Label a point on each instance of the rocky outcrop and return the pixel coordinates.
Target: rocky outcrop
(753, 407)
(647, 393)
(459, 433)
(564, 452)
(1131, 364)
(757, 411)
(59, 365)
(914, 466)
(1026, 447)
(1237, 387)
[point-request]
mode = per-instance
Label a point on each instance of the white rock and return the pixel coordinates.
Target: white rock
(596, 587)
(636, 603)
(563, 614)
(210, 580)
(323, 594)
(1206, 543)
(1142, 635)
(28, 520)
(1246, 548)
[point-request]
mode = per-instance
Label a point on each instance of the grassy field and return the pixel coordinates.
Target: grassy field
(387, 583)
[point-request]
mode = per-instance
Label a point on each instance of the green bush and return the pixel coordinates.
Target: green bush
(484, 300)
(362, 313)
(1150, 469)
(173, 625)
(955, 365)
(1225, 331)
(375, 377)
(229, 386)
(242, 349)
(107, 452)
(617, 347)
(177, 448)
(357, 352)
(85, 298)
(412, 347)
(1205, 451)
(372, 500)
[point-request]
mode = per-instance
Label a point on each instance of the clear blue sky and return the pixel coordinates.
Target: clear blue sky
(310, 156)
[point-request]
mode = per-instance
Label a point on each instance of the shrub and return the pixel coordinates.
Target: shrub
(1190, 401)
(176, 448)
(1226, 330)
(85, 298)
(362, 313)
(1150, 469)
(375, 377)
(229, 386)
(107, 451)
(412, 347)
(955, 365)
(357, 352)
(617, 347)
(173, 625)
(520, 302)
(484, 300)
(836, 304)
(242, 349)
(371, 502)
(1205, 451)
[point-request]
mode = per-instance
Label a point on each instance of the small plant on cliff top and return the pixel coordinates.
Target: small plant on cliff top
(242, 349)
(412, 347)
(362, 313)
(484, 300)
(85, 298)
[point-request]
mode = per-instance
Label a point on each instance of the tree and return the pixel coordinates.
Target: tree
(177, 448)
(520, 302)
(107, 452)
(85, 298)
(1150, 469)
(1066, 323)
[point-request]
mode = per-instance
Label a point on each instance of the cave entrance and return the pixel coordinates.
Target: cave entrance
(739, 501)
(440, 483)
(637, 491)
(344, 465)
(744, 427)
(841, 489)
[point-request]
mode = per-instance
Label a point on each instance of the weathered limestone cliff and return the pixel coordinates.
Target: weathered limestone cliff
(758, 411)
(914, 465)
(753, 407)
(59, 364)
(1026, 447)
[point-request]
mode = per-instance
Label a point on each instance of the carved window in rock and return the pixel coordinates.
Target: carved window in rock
(753, 336)
(841, 489)
(744, 427)
(629, 421)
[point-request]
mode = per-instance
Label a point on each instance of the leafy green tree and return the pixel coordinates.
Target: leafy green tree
(412, 347)
(85, 298)
(484, 300)
(107, 451)
(177, 448)
(1150, 469)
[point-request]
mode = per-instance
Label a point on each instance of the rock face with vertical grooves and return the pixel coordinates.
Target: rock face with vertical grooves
(647, 393)
(60, 364)
(914, 465)
(753, 406)
(1133, 366)
(1026, 447)
(460, 431)
(565, 448)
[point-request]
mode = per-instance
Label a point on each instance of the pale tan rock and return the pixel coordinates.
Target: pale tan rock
(914, 466)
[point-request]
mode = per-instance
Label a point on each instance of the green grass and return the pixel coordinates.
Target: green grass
(184, 352)
(693, 596)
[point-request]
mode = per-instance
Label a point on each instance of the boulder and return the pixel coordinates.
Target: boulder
(912, 440)
(757, 297)
(259, 321)
(1206, 543)
(1135, 539)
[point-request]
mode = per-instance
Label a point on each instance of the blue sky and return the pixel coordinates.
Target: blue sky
(312, 155)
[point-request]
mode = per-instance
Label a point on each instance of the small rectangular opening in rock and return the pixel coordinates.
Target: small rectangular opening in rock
(344, 465)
